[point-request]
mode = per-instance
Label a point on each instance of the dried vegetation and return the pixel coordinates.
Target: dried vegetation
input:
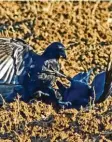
(85, 28)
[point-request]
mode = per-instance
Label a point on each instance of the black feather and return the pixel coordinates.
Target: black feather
(108, 82)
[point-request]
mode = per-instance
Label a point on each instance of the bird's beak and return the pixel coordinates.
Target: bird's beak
(63, 54)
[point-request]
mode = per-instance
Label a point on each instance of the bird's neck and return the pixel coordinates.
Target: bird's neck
(50, 55)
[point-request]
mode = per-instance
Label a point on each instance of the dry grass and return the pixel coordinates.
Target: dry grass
(81, 27)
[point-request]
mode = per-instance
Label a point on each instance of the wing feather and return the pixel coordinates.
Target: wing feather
(14, 53)
(108, 82)
(8, 76)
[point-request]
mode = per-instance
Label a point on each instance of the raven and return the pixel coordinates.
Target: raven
(80, 92)
(45, 69)
(22, 71)
(102, 84)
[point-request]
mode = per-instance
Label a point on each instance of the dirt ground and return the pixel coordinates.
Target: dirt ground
(85, 28)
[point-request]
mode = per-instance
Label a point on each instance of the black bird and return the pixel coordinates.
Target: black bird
(80, 92)
(23, 71)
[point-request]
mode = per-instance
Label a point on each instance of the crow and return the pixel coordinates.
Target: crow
(23, 72)
(102, 84)
(45, 69)
(80, 92)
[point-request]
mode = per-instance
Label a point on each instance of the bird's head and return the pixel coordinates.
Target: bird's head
(55, 50)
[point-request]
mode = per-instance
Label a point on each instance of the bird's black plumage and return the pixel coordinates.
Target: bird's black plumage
(20, 65)
(14, 60)
(80, 92)
(107, 89)
(44, 67)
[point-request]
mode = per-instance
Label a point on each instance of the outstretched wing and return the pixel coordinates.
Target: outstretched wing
(83, 76)
(14, 59)
(108, 83)
(98, 84)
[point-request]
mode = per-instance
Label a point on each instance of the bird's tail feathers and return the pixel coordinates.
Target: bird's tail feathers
(108, 82)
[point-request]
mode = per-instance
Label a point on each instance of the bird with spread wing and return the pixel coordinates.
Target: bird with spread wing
(80, 91)
(23, 72)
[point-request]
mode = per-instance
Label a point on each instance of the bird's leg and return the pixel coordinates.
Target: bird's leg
(11, 97)
(64, 104)
(60, 74)
(40, 94)
(57, 73)
(17, 91)
(60, 100)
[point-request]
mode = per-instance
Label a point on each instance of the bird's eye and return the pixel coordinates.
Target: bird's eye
(60, 47)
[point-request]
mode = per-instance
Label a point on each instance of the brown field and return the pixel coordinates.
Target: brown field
(82, 27)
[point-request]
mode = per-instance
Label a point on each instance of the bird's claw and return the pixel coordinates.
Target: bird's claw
(40, 94)
(45, 94)
(65, 104)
